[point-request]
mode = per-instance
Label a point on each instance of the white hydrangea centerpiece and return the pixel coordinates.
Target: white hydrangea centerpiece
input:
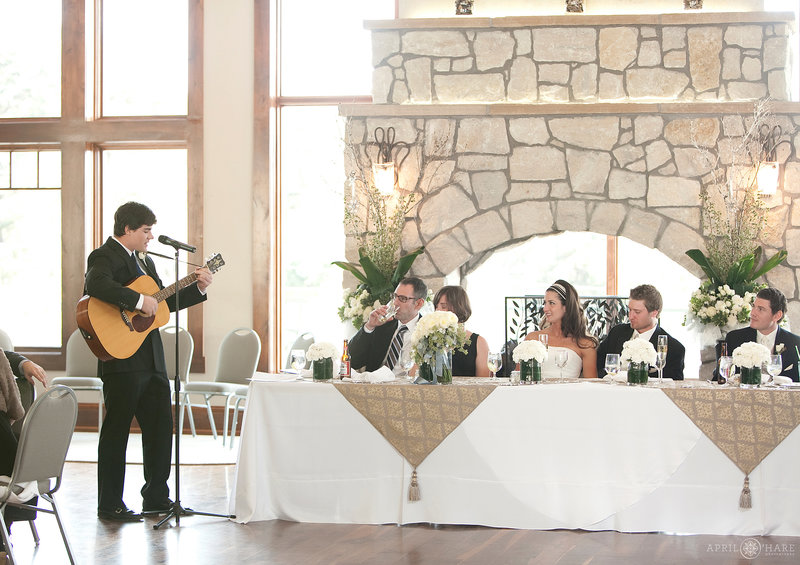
(357, 306)
(529, 350)
(437, 331)
(638, 351)
(750, 354)
(321, 350)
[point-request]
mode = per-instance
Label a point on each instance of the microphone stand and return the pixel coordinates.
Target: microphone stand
(177, 510)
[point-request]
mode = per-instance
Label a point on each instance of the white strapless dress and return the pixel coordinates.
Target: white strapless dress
(572, 370)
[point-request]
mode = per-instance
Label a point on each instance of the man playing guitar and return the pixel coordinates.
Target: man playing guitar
(138, 385)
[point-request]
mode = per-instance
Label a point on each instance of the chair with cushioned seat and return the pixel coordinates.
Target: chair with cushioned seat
(81, 373)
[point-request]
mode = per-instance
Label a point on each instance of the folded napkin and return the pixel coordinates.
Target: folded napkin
(621, 377)
(382, 375)
(781, 380)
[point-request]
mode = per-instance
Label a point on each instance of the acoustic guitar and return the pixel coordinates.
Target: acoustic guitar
(115, 333)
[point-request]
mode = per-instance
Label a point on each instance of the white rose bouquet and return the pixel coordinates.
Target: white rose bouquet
(638, 351)
(720, 306)
(357, 305)
(750, 354)
(321, 350)
(529, 350)
(434, 332)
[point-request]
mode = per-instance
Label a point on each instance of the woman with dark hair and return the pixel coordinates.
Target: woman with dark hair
(571, 351)
(472, 363)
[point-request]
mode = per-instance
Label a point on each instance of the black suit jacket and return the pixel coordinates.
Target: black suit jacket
(110, 268)
(790, 342)
(368, 350)
(621, 333)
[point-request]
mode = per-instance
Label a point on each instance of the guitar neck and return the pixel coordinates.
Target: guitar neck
(168, 291)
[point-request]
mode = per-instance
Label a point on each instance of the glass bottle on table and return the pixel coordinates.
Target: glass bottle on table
(344, 368)
(723, 352)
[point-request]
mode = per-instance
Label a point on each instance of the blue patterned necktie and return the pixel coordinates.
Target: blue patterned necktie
(396, 347)
(136, 262)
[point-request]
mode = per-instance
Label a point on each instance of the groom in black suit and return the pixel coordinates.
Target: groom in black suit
(136, 386)
(768, 310)
(369, 349)
(644, 305)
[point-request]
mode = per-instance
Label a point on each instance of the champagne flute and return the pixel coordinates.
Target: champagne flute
(545, 339)
(612, 364)
(297, 359)
(774, 367)
(495, 363)
(725, 365)
(561, 360)
(661, 356)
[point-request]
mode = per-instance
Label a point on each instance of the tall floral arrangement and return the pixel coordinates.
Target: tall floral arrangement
(733, 219)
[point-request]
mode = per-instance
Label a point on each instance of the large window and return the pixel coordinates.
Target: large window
(311, 153)
(63, 175)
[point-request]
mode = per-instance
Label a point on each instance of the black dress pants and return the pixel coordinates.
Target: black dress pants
(147, 396)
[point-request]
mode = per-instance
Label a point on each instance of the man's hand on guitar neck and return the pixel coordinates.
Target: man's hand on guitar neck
(204, 278)
(149, 305)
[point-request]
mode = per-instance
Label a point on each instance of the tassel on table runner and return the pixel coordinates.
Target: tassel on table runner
(413, 488)
(745, 499)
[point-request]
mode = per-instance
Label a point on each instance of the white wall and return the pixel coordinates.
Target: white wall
(228, 132)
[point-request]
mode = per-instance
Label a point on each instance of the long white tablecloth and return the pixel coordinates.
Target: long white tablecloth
(587, 456)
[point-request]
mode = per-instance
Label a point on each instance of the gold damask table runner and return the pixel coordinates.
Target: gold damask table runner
(414, 419)
(745, 424)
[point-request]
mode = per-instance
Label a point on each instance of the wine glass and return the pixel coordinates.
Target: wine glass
(407, 361)
(545, 339)
(661, 356)
(612, 364)
(561, 360)
(725, 365)
(297, 358)
(495, 363)
(774, 367)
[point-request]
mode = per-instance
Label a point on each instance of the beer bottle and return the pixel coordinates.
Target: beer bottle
(344, 368)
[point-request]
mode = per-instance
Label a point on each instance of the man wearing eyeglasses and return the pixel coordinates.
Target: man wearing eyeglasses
(380, 341)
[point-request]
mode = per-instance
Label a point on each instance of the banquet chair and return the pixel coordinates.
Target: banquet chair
(41, 452)
(186, 350)
(236, 363)
(81, 373)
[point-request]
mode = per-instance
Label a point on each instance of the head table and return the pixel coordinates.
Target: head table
(588, 455)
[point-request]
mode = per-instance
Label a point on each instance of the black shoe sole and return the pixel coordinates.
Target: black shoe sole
(115, 516)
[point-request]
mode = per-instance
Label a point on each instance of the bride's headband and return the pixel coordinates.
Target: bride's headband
(559, 289)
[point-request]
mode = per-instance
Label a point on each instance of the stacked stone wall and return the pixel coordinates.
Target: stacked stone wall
(724, 61)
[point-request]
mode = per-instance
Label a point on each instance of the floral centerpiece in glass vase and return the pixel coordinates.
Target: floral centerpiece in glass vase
(432, 342)
(530, 354)
(639, 354)
(321, 356)
(749, 358)
(733, 218)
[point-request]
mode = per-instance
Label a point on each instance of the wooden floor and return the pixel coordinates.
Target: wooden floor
(201, 539)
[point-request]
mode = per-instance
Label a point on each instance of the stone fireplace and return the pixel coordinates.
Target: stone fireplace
(527, 126)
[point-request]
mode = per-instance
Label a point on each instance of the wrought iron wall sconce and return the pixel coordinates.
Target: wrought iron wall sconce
(768, 167)
(391, 155)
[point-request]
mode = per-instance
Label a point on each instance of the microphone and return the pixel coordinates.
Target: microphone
(176, 244)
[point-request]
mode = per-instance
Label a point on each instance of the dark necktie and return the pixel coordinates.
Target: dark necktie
(396, 347)
(137, 263)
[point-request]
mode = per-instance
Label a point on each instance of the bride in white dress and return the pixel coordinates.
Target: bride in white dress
(565, 327)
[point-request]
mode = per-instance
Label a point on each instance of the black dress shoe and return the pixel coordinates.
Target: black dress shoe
(162, 506)
(120, 514)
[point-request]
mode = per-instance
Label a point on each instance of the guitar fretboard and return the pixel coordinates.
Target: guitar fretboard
(168, 291)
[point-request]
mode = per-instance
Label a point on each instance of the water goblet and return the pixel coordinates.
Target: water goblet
(544, 338)
(774, 367)
(297, 359)
(561, 360)
(612, 364)
(407, 362)
(495, 363)
(725, 366)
